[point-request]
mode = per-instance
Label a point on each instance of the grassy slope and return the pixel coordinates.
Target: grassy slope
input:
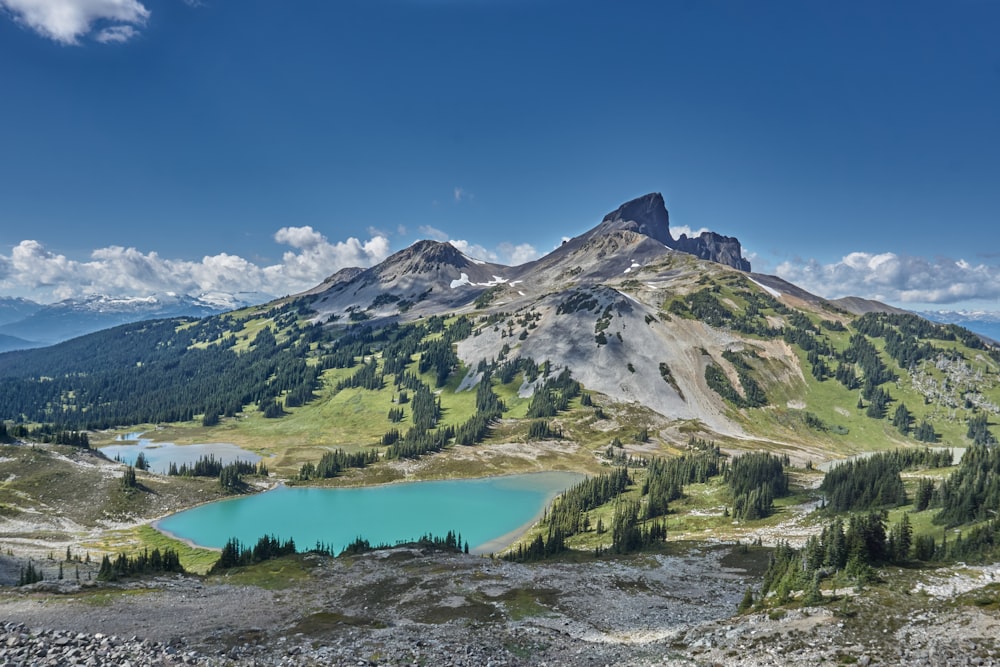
(355, 419)
(837, 406)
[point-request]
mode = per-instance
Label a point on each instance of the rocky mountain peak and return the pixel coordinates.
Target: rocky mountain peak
(645, 215)
(715, 247)
(648, 215)
(427, 255)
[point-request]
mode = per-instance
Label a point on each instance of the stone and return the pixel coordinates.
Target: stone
(648, 215)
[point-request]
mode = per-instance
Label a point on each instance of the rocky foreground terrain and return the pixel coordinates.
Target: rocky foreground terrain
(410, 607)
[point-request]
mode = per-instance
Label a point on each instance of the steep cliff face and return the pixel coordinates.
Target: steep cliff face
(715, 247)
(648, 215)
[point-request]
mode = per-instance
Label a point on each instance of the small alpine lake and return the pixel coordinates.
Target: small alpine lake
(161, 454)
(488, 512)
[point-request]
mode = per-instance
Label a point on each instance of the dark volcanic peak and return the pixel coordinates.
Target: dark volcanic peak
(645, 215)
(648, 215)
(716, 247)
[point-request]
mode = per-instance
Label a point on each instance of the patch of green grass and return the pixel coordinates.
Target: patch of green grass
(325, 622)
(524, 649)
(754, 560)
(986, 598)
(277, 574)
(132, 541)
(471, 612)
(194, 559)
(105, 597)
(522, 603)
(517, 407)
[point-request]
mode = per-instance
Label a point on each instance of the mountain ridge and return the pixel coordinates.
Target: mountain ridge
(698, 344)
(432, 274)
(63, 320)
(658, 373)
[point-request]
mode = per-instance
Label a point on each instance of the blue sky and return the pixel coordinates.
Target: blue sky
(154, 145)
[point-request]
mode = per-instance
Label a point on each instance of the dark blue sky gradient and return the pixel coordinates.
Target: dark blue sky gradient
(808, 130)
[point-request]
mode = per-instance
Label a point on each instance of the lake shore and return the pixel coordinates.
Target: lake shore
(336, 516)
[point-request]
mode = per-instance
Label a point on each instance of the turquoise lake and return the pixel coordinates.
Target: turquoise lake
(488, 512)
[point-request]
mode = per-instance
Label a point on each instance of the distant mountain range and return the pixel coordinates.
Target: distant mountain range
(983, 322)
(26, 324)
(423, 279)
(705, 345)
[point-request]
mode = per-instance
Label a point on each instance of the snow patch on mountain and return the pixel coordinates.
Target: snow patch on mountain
(463, 280)
(770, 290)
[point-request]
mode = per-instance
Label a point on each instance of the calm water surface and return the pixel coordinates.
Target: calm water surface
(161, 454)
(486, 512)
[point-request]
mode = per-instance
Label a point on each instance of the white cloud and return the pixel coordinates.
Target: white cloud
(117, 271)
(677, 230)
(299, 237)
(317, 258)
(460, 194)
(116, 34)
(895, 278)
(515, 255)
(474, 250)
(65, 21)
(432, 233)
(505, 253)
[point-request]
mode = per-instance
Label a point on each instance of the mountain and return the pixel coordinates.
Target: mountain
(425, 278)
(695, 395)
(698, 345)
(14, 309)
(45, 325)
(648, 215)
(8, 343)
(429, 275)
(983, 322)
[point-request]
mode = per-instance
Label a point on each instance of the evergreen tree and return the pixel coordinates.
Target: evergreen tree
(925, 432)
(900, 540)
(747, 602)
(901, 419)
(128, 480)
(925, 492)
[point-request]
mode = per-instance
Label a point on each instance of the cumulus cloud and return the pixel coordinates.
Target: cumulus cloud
(515, 255)
(474, 250)
(299, 237)
(30, 269)
(119, 271)
(460, 194)
(317, 255)
(65, 21)
(896, 278)
(677, 230)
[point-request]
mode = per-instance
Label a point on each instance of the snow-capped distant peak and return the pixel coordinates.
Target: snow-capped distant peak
(105, 302)
(227, 301)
